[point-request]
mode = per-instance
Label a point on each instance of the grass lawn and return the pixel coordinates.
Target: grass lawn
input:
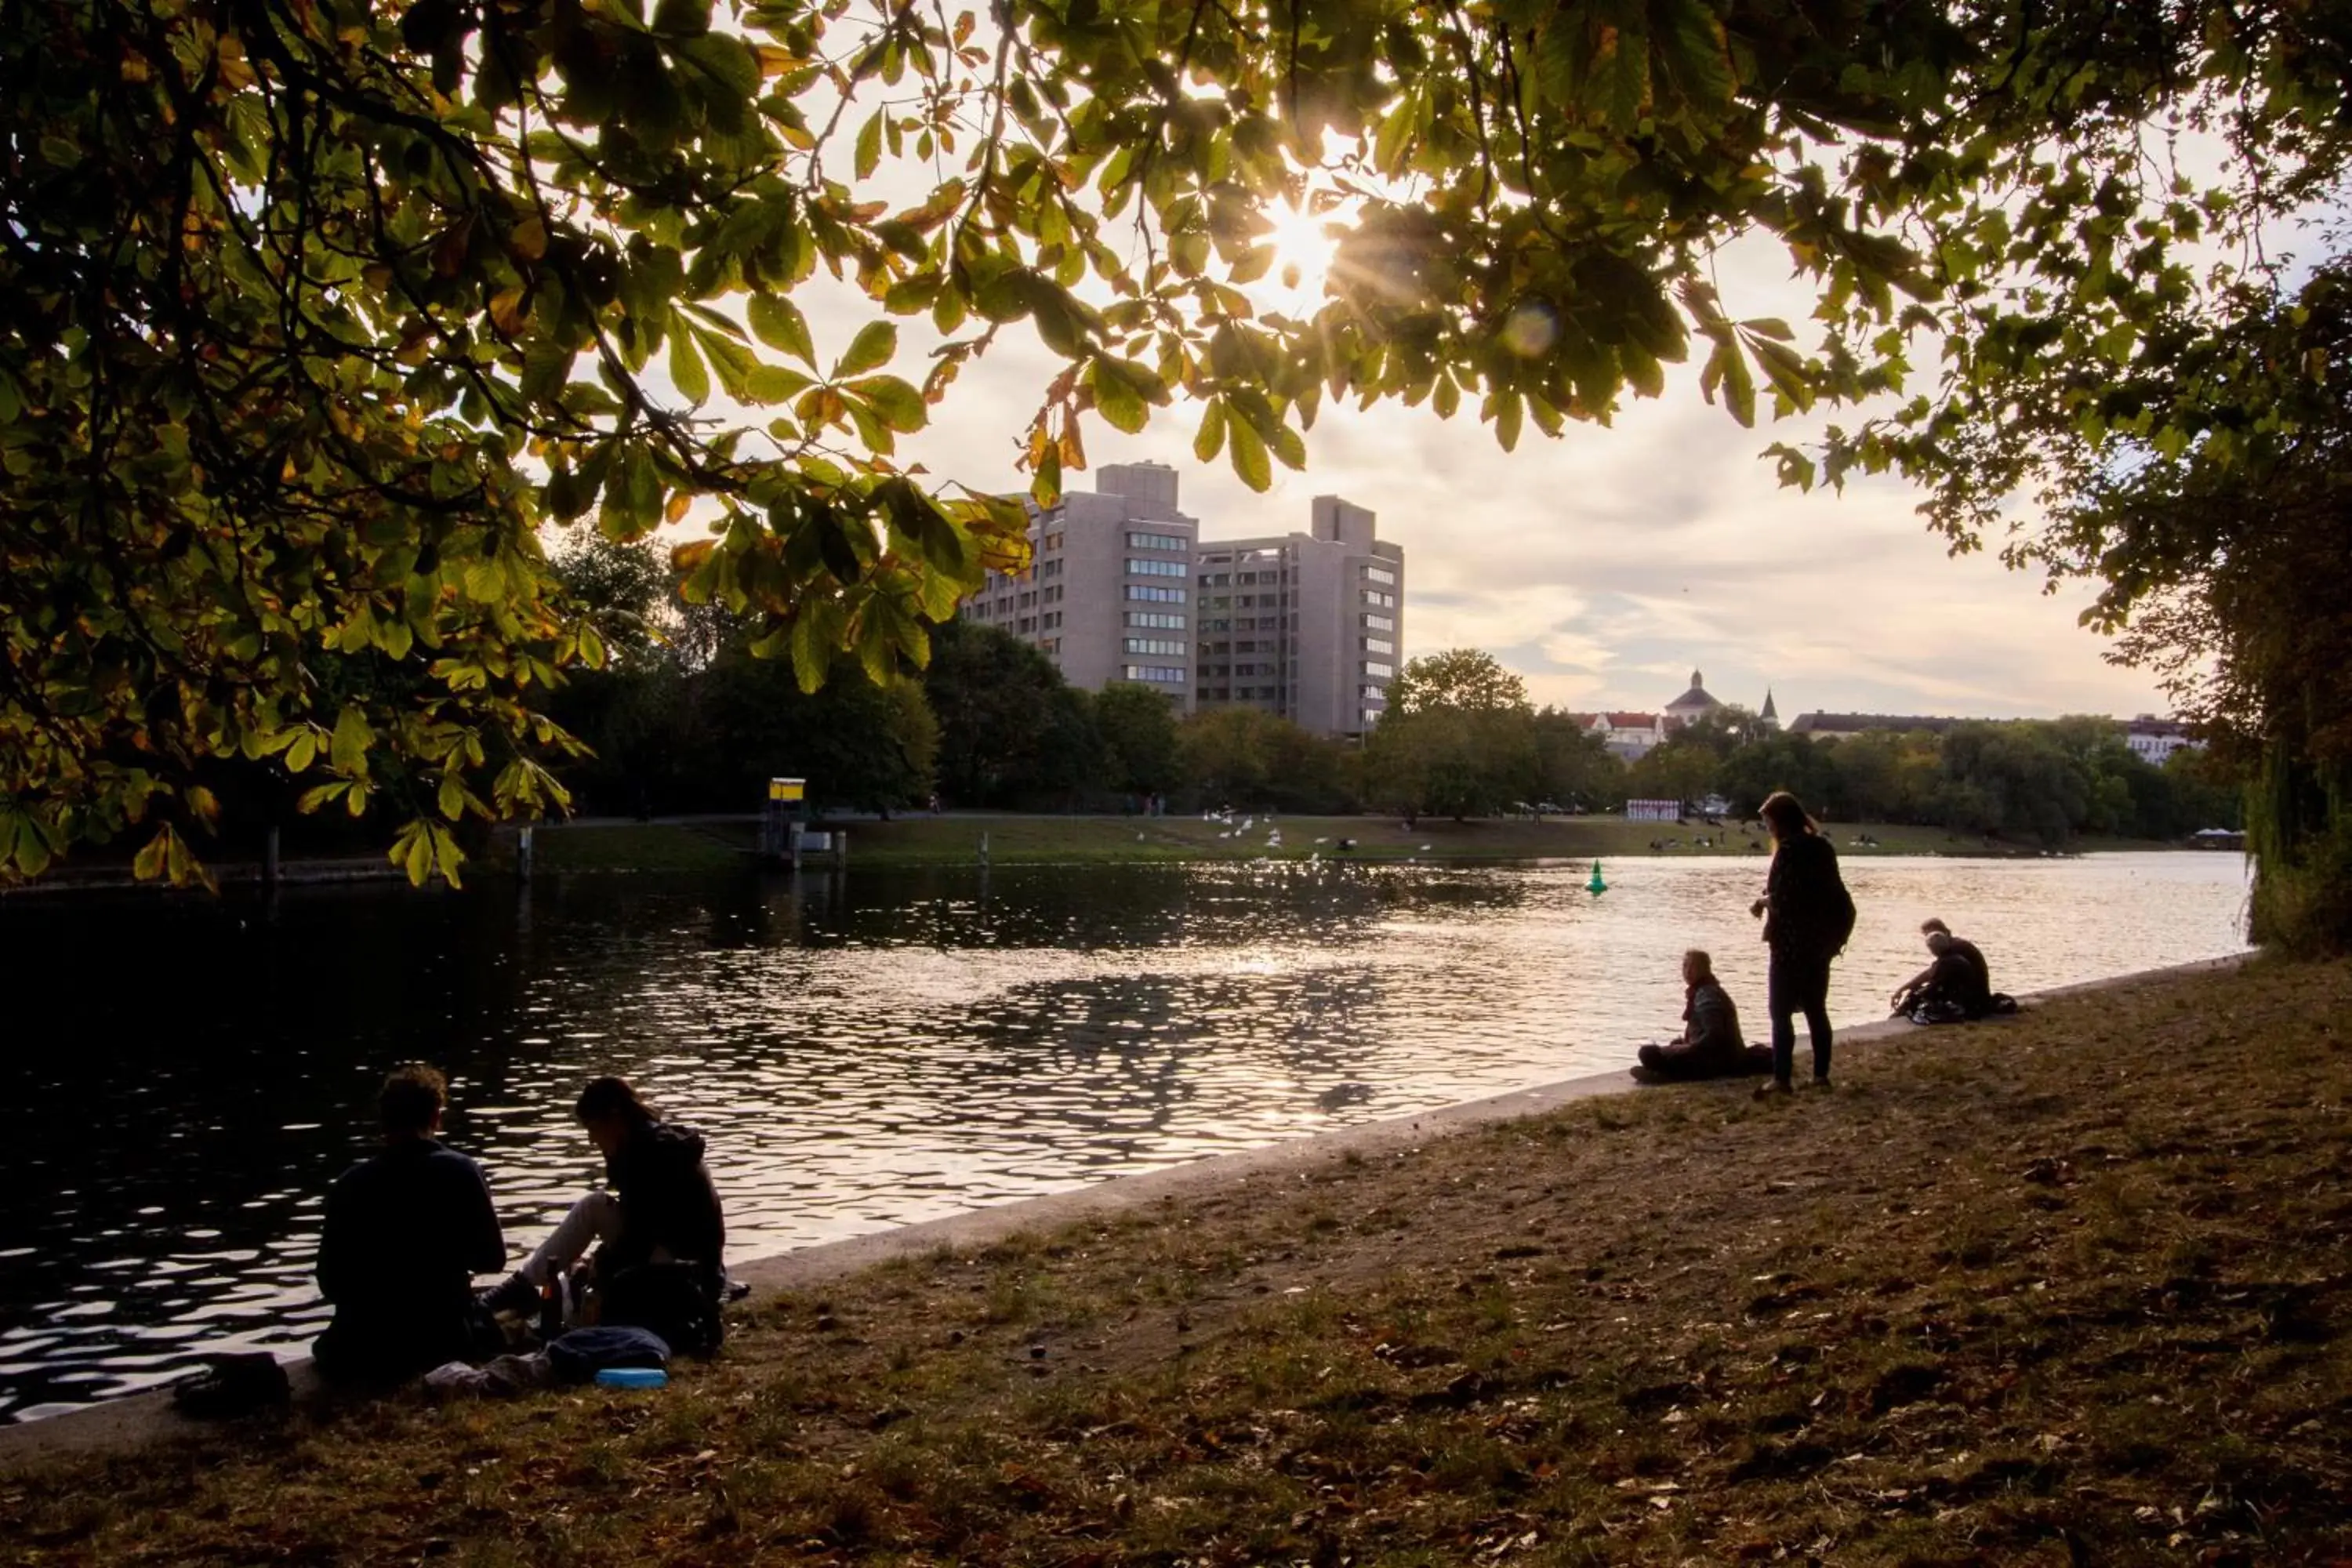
(2069, 1288)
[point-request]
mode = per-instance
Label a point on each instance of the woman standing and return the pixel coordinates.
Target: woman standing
(1807, 917)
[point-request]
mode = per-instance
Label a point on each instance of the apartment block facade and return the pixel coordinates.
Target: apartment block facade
(1307, 625)
(1108, 594)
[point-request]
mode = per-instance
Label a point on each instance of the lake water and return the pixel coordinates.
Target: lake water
(182, 1081)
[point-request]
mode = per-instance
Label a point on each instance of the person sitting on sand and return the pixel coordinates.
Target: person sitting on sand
(1710, 1044)
(406, 1233)
(660, 1236)
(1957, 982)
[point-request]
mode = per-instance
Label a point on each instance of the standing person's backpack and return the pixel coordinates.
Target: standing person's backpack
(1843, 925)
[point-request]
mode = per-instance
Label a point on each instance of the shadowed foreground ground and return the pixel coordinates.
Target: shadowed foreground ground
(2073, 1288)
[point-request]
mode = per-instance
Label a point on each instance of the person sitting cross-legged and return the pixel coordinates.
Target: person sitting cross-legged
(659, 1235)
(406, 1233)
(1955, 986)
(1710, 1045)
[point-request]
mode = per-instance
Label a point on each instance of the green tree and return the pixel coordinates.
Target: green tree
(1248, 757)
(1457, 738)
(1137, 727)
(315, 312)
(1574, 766)
(1011, 728)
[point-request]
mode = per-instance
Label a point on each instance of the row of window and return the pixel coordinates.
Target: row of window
(1374, 666)
(1379, 624)
(1158, 675)
(1248, 601)
(1141, 566)
(1372, 596)
(1053, 540)
(1150, 595)
(1157, 541)
(1155, 645)
(1376, 645)
(1380, 574)
(1160, 618)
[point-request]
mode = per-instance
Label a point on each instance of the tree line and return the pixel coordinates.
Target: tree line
(1461, 739)
(686, 718)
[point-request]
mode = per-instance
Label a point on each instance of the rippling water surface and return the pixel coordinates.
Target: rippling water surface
(863, 1053)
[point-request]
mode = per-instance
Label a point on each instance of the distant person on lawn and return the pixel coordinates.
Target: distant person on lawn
(659, 1235)
(1710, 1044)
(1957, 983)
(1808, 916)
(406, 1233)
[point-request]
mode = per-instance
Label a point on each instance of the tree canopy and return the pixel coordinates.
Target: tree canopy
(317, 310)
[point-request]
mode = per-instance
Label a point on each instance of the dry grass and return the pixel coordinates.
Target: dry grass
(2069, 1290)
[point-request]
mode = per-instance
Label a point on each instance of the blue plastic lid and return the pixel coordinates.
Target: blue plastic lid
(633, 1377)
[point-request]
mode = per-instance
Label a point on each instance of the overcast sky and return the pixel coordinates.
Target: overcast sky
(1607, 566)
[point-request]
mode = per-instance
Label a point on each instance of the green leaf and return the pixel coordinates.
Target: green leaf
(687, 370)
(780, 325)
(353, 737)
(869, 144)
(901, 406)
(1210, 439)
(1116, 400)
(876, 343)
(1249, 455)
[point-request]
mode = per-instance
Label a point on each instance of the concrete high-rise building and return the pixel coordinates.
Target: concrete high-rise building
(1307, 624)
(1107, 595)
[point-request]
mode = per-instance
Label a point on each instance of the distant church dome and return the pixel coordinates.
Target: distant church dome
(1694, 701)
(1771, 717)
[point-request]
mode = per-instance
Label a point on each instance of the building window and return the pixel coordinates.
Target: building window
(1380, 574)
(1374, 666)
(1384, 600)
(1139, 567)
(1054, 540)
(1050, 619)
(1137, 591)
(1157, 675)
(1373, 694)
(1154, 645)
(1156, 618)
(1050, 568)
(1379, 624)
(1049, 645)
(1378, 645)
(1028, 601)
(1025, 625)
(1157, 541)
(1053, 596)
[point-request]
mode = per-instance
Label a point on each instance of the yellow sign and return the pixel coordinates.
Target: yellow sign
(787, 789)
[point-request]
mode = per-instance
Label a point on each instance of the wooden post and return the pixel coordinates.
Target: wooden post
(269, 859)
(983, 848)
(840, 849)
(524, 851)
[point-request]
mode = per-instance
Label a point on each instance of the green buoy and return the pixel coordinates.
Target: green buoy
(1596, 885)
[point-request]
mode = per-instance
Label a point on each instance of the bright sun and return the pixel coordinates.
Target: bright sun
(1303, 252)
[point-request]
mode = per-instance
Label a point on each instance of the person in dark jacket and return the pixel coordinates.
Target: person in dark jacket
(406, 1233)
(1710, 1045)
(662, 1208)
(1958, 978)
(1808, 915)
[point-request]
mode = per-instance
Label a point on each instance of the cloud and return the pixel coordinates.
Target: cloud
(1606, 565)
